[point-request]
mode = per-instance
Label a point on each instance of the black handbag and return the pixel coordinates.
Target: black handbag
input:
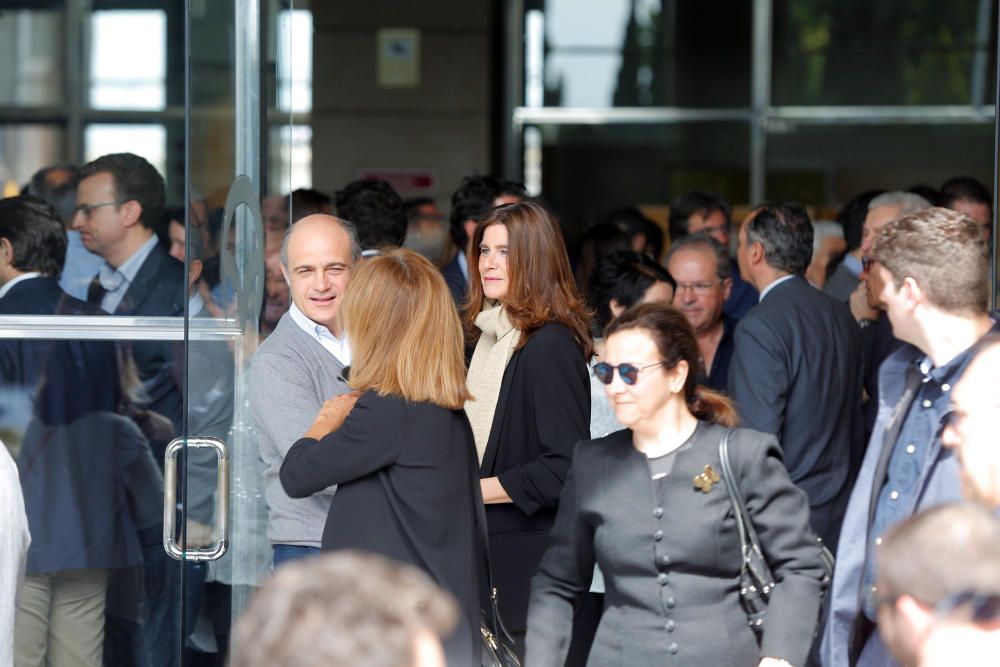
(756, 579)
(498, 647)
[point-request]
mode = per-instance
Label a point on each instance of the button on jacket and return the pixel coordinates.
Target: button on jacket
(672, 576)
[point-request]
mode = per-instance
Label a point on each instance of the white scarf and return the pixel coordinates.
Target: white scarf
(496, 346)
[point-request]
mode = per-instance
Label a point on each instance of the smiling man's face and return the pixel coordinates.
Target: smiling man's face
(319, 268)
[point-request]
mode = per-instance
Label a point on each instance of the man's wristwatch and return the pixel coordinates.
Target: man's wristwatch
(865, 322)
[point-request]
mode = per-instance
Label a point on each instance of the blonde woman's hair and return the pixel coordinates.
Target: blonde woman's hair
(406, 338)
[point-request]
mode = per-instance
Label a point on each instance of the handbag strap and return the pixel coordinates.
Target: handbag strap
(749, 542)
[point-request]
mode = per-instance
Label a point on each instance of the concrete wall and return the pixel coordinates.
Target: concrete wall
(442, 125)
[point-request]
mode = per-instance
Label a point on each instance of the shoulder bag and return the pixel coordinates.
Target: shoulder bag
(756, 579)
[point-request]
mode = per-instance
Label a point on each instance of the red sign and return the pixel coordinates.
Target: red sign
(405, 181)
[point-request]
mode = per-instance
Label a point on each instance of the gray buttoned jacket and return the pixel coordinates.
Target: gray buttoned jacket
(670, 554)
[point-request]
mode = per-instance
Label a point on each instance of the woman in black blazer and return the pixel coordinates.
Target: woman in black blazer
(399, 448)
(642, 504)
(529, 379)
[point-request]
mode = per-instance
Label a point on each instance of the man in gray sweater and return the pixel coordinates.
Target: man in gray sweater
(298, 367)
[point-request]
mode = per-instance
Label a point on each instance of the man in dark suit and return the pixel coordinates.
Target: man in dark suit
(796, 368)
(119, 203)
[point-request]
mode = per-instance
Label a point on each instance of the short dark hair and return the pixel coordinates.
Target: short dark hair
(135, 179)
(62, 195)
(623, 276)
(690, 203)
(306, 201)
(928, 192)
(631, 221)
(376, 210)
(965, 188)
(473, 200)
(852, 217)
(784, 230)
(36, 234)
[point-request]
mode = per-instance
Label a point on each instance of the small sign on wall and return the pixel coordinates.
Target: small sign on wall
(398, 57)
(406, 181)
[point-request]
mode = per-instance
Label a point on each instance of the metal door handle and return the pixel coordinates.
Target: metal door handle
(170, 500)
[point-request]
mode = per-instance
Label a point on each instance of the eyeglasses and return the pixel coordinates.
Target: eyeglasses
(86, 209)
(866, 263)
(702, 287)
(628, 372)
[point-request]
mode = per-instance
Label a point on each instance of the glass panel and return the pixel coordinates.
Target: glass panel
(591, 170)
(24, 149)
(150, 141)
(888, 52)
(294, 66)
(128, 59)
(829, 165)
(601, 53)
(32, 50)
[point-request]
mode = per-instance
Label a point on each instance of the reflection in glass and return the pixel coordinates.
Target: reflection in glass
(291, 162)
(128, 59)
(149, 141)
(24, 149)
(31, 48)
(295, 33)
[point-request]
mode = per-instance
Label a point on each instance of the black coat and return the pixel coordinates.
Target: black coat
(405, 491)
(670, 555)
(543, 410)
(796, 373)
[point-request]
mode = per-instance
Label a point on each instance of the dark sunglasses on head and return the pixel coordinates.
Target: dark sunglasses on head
(628, 372)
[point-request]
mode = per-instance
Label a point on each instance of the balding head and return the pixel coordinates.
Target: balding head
(317, 255)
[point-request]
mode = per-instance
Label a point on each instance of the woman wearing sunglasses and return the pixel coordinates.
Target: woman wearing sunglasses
(649, 506)
(528, 377)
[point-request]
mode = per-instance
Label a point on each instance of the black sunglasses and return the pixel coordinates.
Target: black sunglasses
(628, 372)
(866, 263)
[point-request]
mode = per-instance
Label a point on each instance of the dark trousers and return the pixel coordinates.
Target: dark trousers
(284, 553)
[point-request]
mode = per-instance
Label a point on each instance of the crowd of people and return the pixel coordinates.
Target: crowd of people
(637, 424)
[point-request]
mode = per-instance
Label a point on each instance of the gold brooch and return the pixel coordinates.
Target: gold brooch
(705, 480)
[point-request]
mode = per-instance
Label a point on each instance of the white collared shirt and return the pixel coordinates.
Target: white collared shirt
(117, 281)
(782, 279)
(338, 347)
(20, 279)
(463, 264)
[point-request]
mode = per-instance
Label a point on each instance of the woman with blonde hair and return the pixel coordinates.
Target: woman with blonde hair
(528, 377)
(650, 505)
(399, 447)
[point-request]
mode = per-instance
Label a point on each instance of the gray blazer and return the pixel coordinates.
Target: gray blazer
(671, 557)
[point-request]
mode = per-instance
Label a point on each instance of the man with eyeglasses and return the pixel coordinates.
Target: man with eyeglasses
(119, 202)
(700, 265)
(930, 268)
(710, 214)
(796, 367)
(938, 596)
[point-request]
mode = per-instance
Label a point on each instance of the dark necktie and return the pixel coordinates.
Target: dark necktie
(96, 291)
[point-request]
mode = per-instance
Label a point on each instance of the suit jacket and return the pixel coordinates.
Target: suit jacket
(543, 410)
(742, 297)
(405, 491)
(796, 373)
(455, 279)
(159, 289)
(670, 555)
